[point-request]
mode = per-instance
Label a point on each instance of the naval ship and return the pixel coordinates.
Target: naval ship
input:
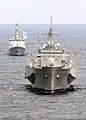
(17, 45)
(51, 68)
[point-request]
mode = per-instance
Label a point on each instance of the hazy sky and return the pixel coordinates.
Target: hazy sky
(38, 11)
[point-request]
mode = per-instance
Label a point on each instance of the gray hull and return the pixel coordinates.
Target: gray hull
(16, 51)
(49, 78)
(50, 68)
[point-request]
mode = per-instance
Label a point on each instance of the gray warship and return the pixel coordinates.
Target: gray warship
(51, 68)
(17, 45)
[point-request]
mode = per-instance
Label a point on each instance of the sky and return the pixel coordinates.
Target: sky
(39, 11)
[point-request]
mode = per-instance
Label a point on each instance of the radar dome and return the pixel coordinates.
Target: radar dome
(58, 44)
(45, 45)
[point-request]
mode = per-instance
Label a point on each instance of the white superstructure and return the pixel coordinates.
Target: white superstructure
(16, 43)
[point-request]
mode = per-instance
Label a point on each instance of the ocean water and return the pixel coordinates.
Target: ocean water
(16, 102)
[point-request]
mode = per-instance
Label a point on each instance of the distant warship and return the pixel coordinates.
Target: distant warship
(17, 45)
(51, 68)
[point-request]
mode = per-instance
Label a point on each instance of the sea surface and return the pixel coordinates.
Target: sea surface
(16, 102)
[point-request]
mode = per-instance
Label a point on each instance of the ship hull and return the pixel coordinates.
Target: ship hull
(49, 78)
(16, 51)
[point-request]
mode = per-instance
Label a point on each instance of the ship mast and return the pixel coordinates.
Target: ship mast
(50, 33)
(51, 22)
(16, 34)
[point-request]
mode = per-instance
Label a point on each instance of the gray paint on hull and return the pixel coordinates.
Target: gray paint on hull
(16, 51)
(51, 81)
(70, 78)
